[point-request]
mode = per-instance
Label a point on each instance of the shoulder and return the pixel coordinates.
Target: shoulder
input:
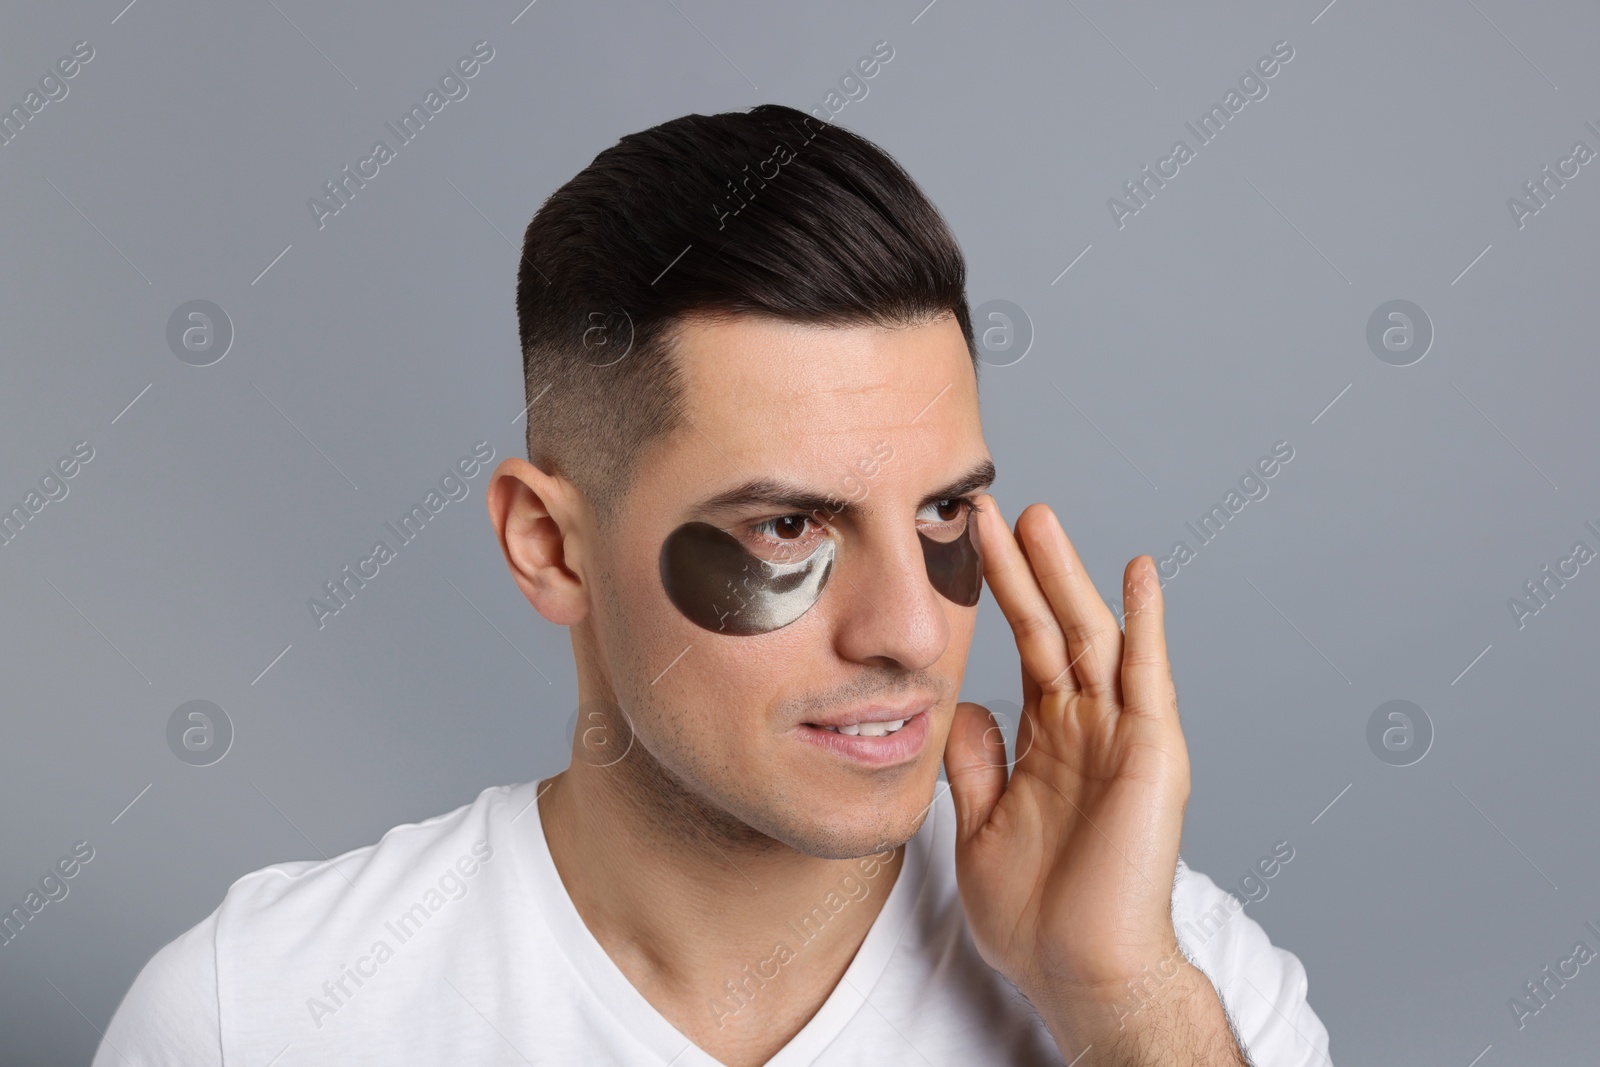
(274, 921)
(288, 894)
(1263, 986)
(169, 1014)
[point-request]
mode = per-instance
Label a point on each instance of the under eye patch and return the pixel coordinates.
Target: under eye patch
(720, 585)
(955, 568)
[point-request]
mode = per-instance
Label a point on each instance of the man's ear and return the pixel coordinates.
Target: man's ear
(535, 515)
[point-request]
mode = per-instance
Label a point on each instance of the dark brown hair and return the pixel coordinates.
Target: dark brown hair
(767, 211)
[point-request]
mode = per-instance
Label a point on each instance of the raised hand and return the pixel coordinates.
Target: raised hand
(1066, 869)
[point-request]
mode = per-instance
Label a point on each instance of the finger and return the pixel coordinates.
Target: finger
(975, 764)
(1146, 672)
(1040, 642)
(1094, 640)
(1028, 725)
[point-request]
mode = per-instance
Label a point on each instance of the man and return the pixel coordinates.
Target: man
(755, 498)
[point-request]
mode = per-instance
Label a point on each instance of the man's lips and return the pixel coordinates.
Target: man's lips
(883, 750)
(873, 713)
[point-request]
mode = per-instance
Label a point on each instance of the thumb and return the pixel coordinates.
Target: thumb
(975, 764)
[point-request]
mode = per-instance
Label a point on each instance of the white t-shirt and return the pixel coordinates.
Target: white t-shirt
(453, 941)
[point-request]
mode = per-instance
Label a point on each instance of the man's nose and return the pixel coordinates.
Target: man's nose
(885, 607)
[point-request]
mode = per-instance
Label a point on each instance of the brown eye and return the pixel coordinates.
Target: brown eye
(942, 518)
(787, 530)
(789, 527)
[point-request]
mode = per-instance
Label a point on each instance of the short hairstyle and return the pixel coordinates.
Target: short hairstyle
(767, 211)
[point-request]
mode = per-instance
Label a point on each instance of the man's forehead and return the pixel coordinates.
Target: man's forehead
(756, 376)
(796, 418)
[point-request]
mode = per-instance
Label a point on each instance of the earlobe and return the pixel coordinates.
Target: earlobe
(532, 516)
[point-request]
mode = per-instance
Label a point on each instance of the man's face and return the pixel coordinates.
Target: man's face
(882, 423)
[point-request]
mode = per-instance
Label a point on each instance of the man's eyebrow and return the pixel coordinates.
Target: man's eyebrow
(793, 498)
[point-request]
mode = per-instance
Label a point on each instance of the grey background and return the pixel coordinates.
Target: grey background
(1226, 316)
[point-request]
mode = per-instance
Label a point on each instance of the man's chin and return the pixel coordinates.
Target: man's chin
(835, 832)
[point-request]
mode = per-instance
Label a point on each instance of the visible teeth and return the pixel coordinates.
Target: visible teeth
(869, 729)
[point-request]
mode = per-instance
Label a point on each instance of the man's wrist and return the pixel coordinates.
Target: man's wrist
(1168, 1014)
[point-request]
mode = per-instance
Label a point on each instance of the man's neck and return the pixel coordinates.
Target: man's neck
(735, 938)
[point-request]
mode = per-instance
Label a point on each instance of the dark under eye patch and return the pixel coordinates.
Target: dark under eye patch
(955, 568)
(720, 585)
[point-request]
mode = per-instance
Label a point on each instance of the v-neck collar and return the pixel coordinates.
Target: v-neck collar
(639, 1017)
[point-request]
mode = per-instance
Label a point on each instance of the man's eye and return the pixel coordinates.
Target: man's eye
(785, 538)
(783, 528)
(947, 520)
(799, 530)
(946, 510)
